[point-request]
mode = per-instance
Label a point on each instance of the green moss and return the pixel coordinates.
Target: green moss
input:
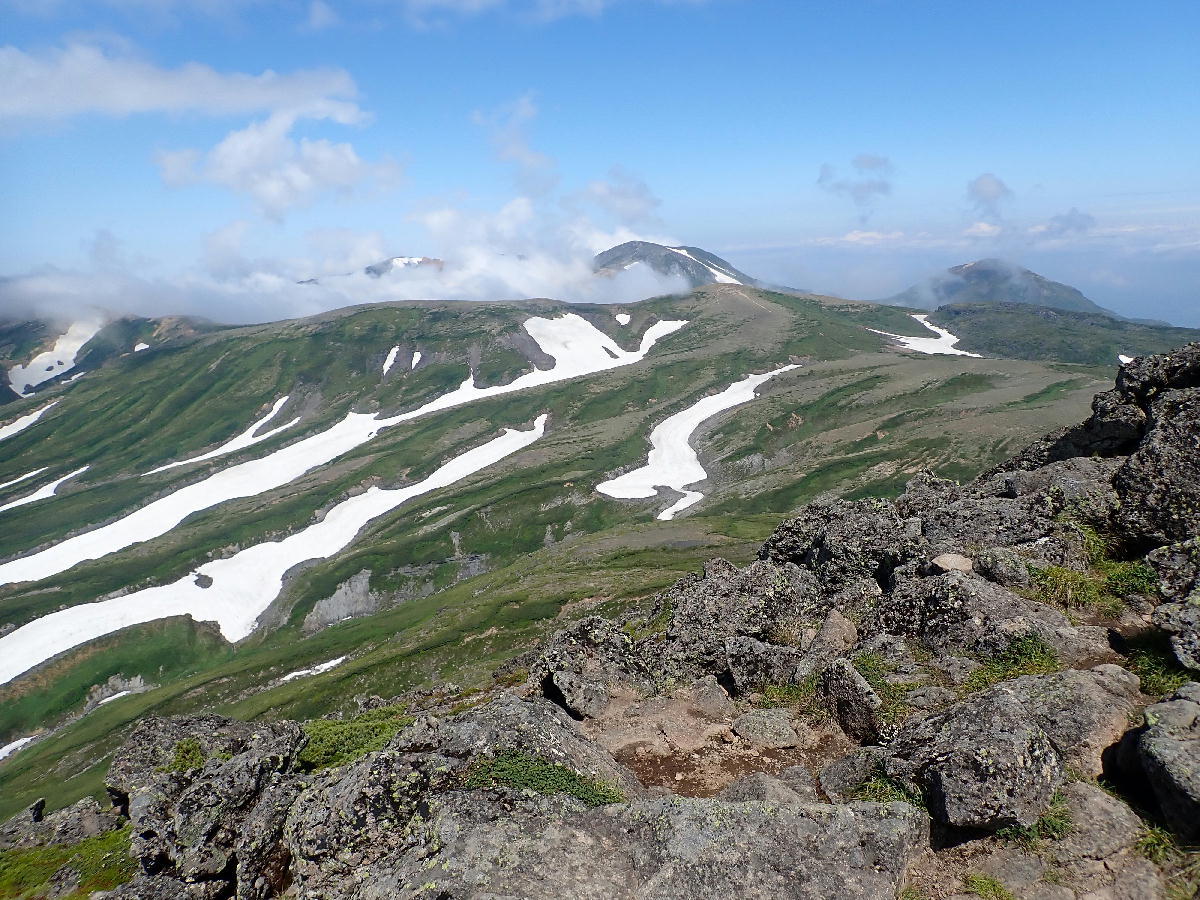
(1053, 825)
(1027, 655)
(336, 742)
(986, 886)
(188, 755)
(102, 862)
(527, 772)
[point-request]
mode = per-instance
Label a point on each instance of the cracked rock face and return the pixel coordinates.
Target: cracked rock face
(1169, 751)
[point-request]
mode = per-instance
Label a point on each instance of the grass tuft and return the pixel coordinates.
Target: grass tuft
(1054, 825)
(882, 789)
(875, 670)
(524, 771)
(1027, 655)
(336, 742)
(188, 755)
(986, 886)
(1150, 658)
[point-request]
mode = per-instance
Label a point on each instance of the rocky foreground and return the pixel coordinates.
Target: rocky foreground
(982, 690)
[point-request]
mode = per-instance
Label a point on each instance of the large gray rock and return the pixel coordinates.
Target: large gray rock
(1169, 750)
(962, 613)
(853, 702)
(769, 728)
(1182, 622)
(71, 825)
(980, 764)
(552, 849)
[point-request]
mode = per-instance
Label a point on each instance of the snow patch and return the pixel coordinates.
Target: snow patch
(247, 438)
(139, 347)
(21, 478)
(116, 696)
(241, 586)
(1123, 359)
(943, 344)
(577, 346)
(721, 276)
(391, 359)
(315, 670)
(623, 318)
(415, 359)
(58, 359)
(18, 425)
(9, 749)
(672, 462)
(44, 492)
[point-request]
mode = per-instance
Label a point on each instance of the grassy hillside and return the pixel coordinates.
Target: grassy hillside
(1035, 332)
(472, 574)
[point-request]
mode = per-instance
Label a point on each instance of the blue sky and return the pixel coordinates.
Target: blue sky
(147, 162)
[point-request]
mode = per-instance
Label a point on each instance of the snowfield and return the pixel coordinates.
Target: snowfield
(245, 584)
(315, 670)
(416, 358)
(391, 359)
(43, 492)
(673, 463)
(139, 347)
(1123, 359)
(117, 696)
(58, 359)
(578, 348)
(9, 749)
(721, 276)
(943, 344)
(21, 478)
(247, 438)
(622, 318)
(16, 426)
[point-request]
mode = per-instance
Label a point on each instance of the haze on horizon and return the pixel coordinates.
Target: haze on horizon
(202, 156)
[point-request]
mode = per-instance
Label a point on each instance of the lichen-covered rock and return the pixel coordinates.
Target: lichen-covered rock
(853, 702)
(753, 663)
(962, 613)
(552, 849)
(769, 728)
(71, 825)
(1182, 622)
(1169, 750)
(790, 787)
(980, 764)
(842, 542)
(1178, 568)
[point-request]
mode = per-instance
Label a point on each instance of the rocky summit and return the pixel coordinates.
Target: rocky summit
(973, 690)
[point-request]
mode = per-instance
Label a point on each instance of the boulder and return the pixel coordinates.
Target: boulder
(853, 702)
(980, 764)
(71, 825)
(1169, 751)
(769, 728)
(791, 787)
(1182, 622)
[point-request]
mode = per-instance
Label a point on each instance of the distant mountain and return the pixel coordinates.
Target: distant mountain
(402, 262)
(995, 281)
(698, 266)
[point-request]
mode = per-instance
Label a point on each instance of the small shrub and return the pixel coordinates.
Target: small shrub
(882, 789)
(102, 861)
(1027, 655)
(336, 742)
(1070, 589)
(526, 772)
(986, 886)
(1054, 825)
(1121, 578)
(1157, 845)
(188, 755)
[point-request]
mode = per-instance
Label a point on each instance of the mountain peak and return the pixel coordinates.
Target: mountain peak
(992, 280)
(697, 266)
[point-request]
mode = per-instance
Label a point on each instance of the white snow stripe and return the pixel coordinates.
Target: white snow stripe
(672, 462)
(315, 670)
(391, 359)
(139, 347)
(1123, 359)
(23, 477)
(247, 438)
(416, 358)
(18, 425)
(577, 346)
(943, 344)
(117, 696)
(42, 493)
(241, 586)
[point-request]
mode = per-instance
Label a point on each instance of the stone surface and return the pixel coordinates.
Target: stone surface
(1169, 750)
(770, 728)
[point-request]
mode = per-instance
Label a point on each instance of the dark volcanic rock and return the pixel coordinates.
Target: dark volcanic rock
(65, 826)
(1169, 749)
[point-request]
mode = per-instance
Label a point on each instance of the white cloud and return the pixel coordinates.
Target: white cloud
(277, 171)
(84, 78)
(986, 192)
(321, 16)
(982, 230)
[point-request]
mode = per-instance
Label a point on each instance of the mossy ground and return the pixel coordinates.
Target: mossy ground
(526, 772)
(101, 863)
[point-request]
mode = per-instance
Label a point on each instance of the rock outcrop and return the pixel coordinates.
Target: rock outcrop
(888, 695)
